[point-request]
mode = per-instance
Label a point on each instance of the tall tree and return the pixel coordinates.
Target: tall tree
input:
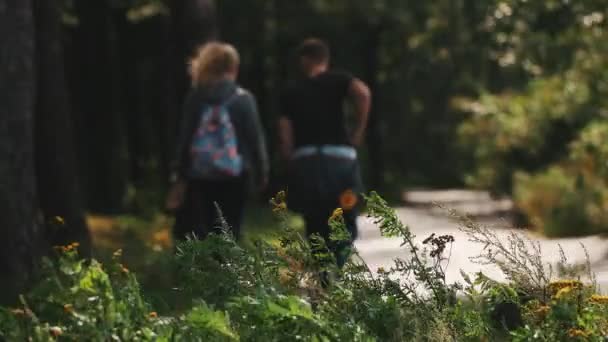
(375, 141)
(56, 174)
(20, 231)
(98, 122)
(193, 22)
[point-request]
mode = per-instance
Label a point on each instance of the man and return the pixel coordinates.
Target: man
(317, 144)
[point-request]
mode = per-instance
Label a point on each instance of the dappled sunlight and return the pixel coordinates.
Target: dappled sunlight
(113, 232)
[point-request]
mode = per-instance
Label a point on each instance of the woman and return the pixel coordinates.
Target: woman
(220, 146)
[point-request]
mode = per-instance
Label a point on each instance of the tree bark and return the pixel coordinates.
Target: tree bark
(375, 141)
(193, 22)
(145, 83)
(20, 232)
(56, 174)
(98, 123)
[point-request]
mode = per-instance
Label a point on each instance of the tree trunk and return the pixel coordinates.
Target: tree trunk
(375, 139)
(20, 233)
(193, 22)
(130, 46)
(101, 147)
(145, 83)
(58, 186)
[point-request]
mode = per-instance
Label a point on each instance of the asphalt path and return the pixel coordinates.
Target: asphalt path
(423, 217)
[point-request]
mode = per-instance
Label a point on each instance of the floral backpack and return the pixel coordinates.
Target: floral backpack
(214, 149)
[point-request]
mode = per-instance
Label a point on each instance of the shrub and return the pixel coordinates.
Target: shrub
(560, 204)
(573, 194)
(523, 132)
(282, 293)
(547, 142)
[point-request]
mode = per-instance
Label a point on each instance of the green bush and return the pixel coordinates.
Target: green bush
(590, 151)
(561, 204)
(513, 132)
(570, 198)
(282, 293)
(546, 145)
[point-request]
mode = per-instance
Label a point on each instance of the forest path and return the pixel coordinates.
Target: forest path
(424, 218)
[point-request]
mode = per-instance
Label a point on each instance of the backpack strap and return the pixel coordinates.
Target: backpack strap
(238, 92)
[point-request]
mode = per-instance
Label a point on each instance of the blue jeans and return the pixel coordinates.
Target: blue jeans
(316, 183)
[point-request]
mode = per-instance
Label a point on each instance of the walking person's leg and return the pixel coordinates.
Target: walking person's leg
(187, 218)
(207, 211)
(230, 196)
(232, 200)
(317, 222)
(342, 185)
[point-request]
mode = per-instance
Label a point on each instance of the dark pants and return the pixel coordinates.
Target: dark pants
(199, 215)
(316, 185)
(316, 223)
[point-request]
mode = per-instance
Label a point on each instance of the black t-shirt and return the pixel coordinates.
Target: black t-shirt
(315, 107)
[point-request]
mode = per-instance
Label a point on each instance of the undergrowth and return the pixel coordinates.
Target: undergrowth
(294, 291)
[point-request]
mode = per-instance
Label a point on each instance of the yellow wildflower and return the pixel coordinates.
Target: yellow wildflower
(279, 207)
(542, 311)
(161, 239)
(60, 249)
(563, 292)
(281, 196)
(70, 247)
(285, 277)
(599, 299)
(337, 214)
(578, 333)
(68, 308)
(560, 284)
(279, 202)
(67, 248)
(55, 331)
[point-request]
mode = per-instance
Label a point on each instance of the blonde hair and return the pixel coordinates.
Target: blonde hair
(212, 61)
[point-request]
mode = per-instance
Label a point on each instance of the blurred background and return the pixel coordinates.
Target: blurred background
(504, 96)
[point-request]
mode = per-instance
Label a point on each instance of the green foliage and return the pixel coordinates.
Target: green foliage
(590, 151)
(559, 200)
(79, 299)
(573, 193)
(536, 71)
(278, 318)
(572, 314)
(546, 144)
(221, 261)
(514, 132)
(281, 293)
(205, 324)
